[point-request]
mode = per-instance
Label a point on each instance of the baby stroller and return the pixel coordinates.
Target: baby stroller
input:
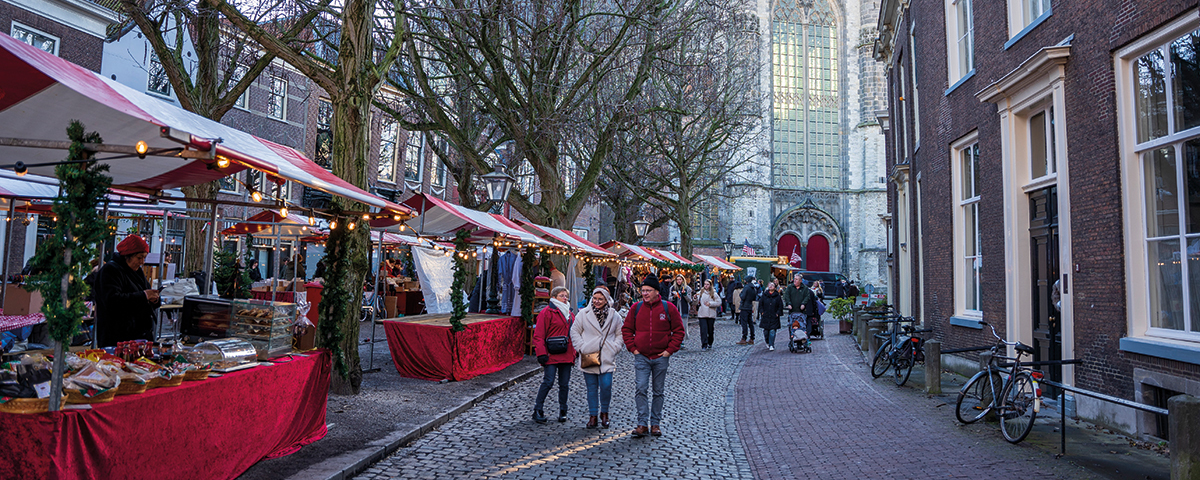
(815, 328)
(798, 337)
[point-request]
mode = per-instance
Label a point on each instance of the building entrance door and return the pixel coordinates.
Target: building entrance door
(1045, 282)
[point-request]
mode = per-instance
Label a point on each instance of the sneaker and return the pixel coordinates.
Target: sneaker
(770, 348)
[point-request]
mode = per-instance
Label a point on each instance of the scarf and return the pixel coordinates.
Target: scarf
(563, 308)
(601, 313)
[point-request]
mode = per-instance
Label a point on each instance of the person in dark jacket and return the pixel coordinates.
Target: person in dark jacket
(749, 296)
(770, 308)
(554, 321)
(255, 273)
(731, 289)
(125, 303)
(653, 332)
(801, 301)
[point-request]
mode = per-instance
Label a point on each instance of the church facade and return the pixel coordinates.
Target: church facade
(817, 185)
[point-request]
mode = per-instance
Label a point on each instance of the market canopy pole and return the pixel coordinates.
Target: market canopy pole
(12, 207)
(208, 251)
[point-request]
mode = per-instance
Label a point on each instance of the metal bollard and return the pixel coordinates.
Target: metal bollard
(985, 359)
(1184, 422)
(874, 342)
(933, 367)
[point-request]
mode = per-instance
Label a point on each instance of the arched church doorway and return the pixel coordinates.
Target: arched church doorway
(787, 245)
(817, 254)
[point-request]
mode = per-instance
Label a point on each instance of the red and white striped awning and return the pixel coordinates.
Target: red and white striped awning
(443, 219)
(268, 223)
(674, 257)
(626, 250)
(716, 262)
(569, 239)
(40, 94)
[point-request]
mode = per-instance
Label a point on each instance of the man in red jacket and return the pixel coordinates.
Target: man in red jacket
(653, 331)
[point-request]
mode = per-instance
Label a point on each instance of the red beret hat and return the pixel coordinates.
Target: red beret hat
(132, 245)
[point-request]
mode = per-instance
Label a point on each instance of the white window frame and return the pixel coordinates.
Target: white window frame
(395, 141)
(912, 65)
(237, 186)
(956, 33)
(961, 309)
(243, 100)
(282, 98)
(1022, 19)
(419, 151)
(13, 32)
(1137, 260)
(150, 62)
(1049, 130)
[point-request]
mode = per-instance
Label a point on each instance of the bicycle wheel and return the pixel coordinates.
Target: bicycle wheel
(881, 363)
(1017, 407)
(975, 398)
(903, 364)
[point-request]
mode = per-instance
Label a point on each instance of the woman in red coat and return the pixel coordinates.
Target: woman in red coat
(554, 325)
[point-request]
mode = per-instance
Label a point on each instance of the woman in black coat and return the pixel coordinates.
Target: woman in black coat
(125, 303)
(770, 308)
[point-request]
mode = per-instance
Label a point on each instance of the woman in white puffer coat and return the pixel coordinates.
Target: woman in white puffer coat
(597, 328)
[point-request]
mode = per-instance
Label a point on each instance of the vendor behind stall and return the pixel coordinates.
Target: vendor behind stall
(125, 302)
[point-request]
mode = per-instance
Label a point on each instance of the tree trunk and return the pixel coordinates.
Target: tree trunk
(195, 233)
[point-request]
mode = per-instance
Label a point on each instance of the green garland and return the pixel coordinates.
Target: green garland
(589, 278)
(337, 301)
(457, 292)
(64, 255)
(527, 259)
(661, 264)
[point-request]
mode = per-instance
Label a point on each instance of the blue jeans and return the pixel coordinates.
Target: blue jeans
(769, 336)
(650, 413)
(599, 392)
(563, 372)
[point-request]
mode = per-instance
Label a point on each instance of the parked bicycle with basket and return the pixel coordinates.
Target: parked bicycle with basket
(1012, 393)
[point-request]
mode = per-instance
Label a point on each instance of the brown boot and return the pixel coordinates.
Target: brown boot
(591, 422)
(655, 431)
(640, 431)
(603, 419)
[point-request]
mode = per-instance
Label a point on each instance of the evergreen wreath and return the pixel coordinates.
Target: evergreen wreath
(64, 255)
(457, 292)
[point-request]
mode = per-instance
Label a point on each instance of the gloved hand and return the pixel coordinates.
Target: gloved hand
(542, 359)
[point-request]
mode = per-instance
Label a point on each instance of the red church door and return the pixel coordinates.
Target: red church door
(817, 258)
(788, 243)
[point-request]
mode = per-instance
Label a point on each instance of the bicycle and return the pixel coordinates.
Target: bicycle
(899, 353)
(1016, 399)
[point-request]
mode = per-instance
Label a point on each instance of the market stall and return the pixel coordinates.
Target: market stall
(425, 347)
(214, 428)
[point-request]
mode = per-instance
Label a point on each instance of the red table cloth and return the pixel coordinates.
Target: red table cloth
(13, 322)
(215, 428)
(434, 352)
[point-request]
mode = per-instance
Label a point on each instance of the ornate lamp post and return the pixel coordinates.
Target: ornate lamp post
(728, 247)
(674, 245)
(639, 228)
(499, 184)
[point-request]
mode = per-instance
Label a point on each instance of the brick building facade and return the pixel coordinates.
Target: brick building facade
(1022, 136)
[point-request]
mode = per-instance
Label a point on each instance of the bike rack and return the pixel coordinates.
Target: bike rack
(1099, 396)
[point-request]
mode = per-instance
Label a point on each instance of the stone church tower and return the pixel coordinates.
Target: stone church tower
(817, 186)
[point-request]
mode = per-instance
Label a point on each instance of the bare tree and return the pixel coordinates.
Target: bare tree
(700, 110)
(347, 50)
(536, 68)
(209, 84)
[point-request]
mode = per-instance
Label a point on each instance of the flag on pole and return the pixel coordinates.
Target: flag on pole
(747, 250)
(796, 257)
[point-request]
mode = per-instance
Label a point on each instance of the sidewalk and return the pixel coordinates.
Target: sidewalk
(392, 411)
(828, 418)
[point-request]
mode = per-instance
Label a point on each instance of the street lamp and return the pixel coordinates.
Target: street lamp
(674, 245)
(640, 227)
(499, 185)
(728, 247)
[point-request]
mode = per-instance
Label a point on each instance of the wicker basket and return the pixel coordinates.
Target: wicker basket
(27, 405)
(73, 396)
(132, 388)
(193, 375)
(159, 382)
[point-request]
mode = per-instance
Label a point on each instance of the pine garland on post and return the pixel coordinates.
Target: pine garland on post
(589, 278)
(457, 292)
(527, 259)
(63, 256)
(337, 301)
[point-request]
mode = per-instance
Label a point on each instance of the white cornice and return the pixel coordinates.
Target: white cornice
(1041, 63)
(81, 15)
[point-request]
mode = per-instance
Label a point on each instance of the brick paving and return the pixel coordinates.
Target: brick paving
(497, 438)
(821, 415)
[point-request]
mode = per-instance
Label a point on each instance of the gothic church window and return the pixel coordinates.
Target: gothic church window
(806, 107)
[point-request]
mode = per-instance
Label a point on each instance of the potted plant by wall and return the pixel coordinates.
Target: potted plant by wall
(878, 306)
(841, 309)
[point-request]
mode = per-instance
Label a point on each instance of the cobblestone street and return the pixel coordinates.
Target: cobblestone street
(733, 412)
